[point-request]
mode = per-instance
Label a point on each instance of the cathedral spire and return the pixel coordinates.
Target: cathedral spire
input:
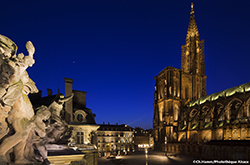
(193, 51)
(192, 27)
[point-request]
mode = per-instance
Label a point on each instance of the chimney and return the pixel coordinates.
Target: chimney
(49, 91)
(68, 104)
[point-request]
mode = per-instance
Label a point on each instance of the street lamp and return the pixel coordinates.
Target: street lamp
(146, 147)
(166, 148)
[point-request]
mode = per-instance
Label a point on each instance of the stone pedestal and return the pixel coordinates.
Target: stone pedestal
(69, 156)
(65, 159)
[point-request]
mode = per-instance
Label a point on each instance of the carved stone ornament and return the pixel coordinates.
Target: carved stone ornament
(20, 128)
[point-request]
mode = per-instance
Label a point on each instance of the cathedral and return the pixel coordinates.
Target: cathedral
(187, 120)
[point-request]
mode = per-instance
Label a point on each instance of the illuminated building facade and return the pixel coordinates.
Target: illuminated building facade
(79, 117)
(143, 137)
(115, 139)
(188, 121)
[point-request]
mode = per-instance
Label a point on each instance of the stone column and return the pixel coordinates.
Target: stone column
(225, 133)
(240, 133)
(248, 133)
(230, 133)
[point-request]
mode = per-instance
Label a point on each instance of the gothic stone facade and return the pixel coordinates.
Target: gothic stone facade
(185, 119)
(217, 126)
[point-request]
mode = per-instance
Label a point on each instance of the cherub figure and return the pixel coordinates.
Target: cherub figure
(37, 136)
(35, 128)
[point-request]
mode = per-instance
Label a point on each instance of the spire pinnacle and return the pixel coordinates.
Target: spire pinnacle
(192, 28)
(193, 50)
(192, 8)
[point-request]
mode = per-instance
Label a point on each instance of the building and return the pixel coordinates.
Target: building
(143, 138)
(187, 120)
(115, 139)
(80, 119)
(174, 88)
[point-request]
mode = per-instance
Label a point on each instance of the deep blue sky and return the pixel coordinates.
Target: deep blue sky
(114, 48)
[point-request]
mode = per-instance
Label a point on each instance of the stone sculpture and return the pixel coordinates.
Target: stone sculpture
(41, 137)
(14, 87)
(36, 140)
(58, 132)
(24, 134)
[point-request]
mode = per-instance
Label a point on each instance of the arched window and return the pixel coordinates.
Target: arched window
(198, 90)
(244, 113)
(227, 135)
(80, 116)
(240, 114)
(215, 152)
(161, 114)
(243, 134)
(80, 137)
(208, 118)
(248, 110)
(232, 108)
(225, 153)
(207, 137)
(186, 92)
(176, 112)
(175, 88)
(194, 115)
(162, 90)
(235, 135)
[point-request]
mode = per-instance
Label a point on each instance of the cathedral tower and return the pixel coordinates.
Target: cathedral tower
(174, 88)
(193, 62)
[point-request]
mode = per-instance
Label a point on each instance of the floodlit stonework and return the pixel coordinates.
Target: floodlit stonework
(81, 126)
(80, 119)
(17, 115)
(115, 140)
(143, 138)
(187, 120)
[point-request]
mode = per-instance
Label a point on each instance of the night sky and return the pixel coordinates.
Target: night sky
(114, 48)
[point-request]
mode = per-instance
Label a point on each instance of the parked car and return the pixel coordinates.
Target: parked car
(111, 157)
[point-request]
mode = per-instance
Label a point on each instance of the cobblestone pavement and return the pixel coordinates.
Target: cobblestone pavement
(152, 158)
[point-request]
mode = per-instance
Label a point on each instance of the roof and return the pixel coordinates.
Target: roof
(112, 127)
(169, 68)
(225, 93)
(37, 100)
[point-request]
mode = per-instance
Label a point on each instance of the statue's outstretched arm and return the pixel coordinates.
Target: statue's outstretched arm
(28, 60)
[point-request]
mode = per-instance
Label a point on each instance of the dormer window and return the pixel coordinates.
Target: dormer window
(80, 117)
